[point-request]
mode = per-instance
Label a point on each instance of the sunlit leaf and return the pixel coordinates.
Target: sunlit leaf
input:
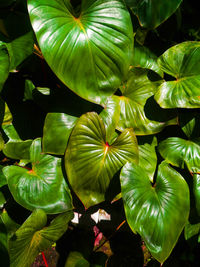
(41, 187)
(91, 161)
(158, 213)
(89, 52)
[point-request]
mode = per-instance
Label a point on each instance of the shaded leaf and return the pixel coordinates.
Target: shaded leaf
(33, 237)
(41, 187)
(4, 64)
(99, 35)
(76, 259)
(152, 13)
(91, 162)
(191, 230)
(189, 123)
(196, 190)
(182, 62)
(158, 213)
(56, 132)
(3, 180)
(2, 200)
(3, 245)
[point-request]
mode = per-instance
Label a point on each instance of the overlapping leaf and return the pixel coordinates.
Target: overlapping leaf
(158, 213)
(182, 62)
(133, 102)
(33, 237)
(89, 52)
(91, 162)
(4, 64)
(41, 187)
(152, 13)
(57, 128)
(76, 259)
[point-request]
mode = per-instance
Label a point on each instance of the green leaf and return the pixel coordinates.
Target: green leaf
(3, 245)
(20, 48)
(2, 200)
(89, 53)
(158, 213)
(91, 162)
(144, 58)
(152, 13)
(33, 237)
(180, 153)
(189, 123)
(30, 87)
(7, 116)
(196, 191)
(3, 180)
(11, 225)
(110, 116)
(1, 142)
(41, 187)
(76, 259)
(148, 157)
(182, 62)
(4, 64)
(15, 148)
(56, 132)
(133, 102)
(191, 230)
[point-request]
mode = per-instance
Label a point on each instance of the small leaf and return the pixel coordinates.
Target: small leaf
(3, 180)
(34, 236)
(158, 213)
(91, 162)
(4, 64)
(196, 190)
(41, 187)
(189, 123)
(2, 200)
(191, 230)
(56, 132)
(76, 259)
(182, 62)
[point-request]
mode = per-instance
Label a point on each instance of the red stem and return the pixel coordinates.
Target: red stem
(45, 261)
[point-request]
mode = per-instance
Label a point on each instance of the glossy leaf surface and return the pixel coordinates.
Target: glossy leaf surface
(56, 132)
(158, 213)
(144, 58)
(152, 13)
(182, 62)
(33, 237)
(189, 122)
(148, 157)
(135, 93)
(191, 230)
(89, 52)
(180, 153)
(41, 187)
(91, 162)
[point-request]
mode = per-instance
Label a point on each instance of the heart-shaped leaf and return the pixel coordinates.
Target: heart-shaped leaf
(182, 62)
(57, 129)
(41, 187)
(152, 13)
(158, 213)
(133, 102)
(33, 237)
(4, 64)
(180, 153)
(89, 52)
(91, 162)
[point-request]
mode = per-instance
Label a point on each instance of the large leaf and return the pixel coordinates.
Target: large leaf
(15, 148)
(196, 190)
(133, 102)
(182, 62)
(33, 237)
(158, 213)
(4, 64)
(89, 53)
(3, 244)
(91, 162)
(180, 153)
(41, 187)
(152, 13)
(57, 128)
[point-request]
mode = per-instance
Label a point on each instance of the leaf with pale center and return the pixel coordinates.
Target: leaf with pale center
(158, 213)
(89, 52)
(91, 162)
(34, 237)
